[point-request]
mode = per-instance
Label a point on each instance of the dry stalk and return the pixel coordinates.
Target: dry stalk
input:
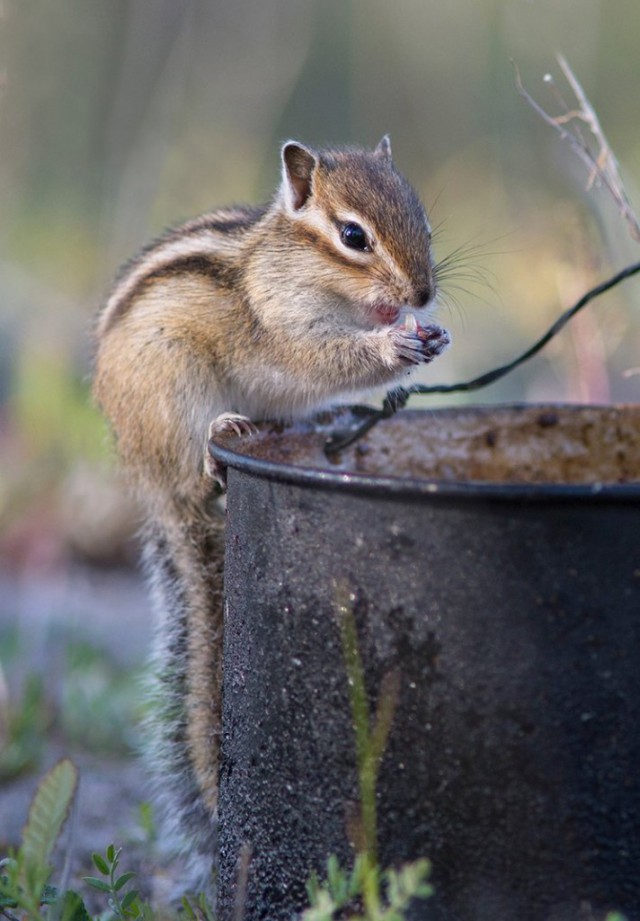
(595, 153)
(242, 882)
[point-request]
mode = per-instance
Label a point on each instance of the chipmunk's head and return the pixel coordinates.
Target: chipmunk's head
(364, 224)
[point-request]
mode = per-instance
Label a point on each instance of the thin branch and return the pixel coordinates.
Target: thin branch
(396, 399)
(598, 156)
(603, 168)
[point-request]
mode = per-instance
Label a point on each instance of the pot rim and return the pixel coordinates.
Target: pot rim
(408, 486)
(432, 489)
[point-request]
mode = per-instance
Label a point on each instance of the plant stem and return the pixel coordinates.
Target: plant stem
(371, 736)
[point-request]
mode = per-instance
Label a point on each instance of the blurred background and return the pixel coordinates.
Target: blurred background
(119, 117)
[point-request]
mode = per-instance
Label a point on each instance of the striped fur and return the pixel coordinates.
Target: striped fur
(267, 313)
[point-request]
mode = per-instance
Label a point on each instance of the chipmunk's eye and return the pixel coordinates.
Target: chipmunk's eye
(353, 236)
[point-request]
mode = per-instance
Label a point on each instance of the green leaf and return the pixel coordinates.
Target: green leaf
(49, 895)
(123, 880)
(313, 887)
(393, 888)
(73, 908)
(426, 890)
(111, 853)
(48, 813)
(100, 863)
(8, 884)
(358, 874)
(337, 880)
(387, 703)
(323, 910)
(128, 900)
(97, 883)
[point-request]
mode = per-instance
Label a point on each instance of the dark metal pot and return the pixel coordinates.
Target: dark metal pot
(497, 565)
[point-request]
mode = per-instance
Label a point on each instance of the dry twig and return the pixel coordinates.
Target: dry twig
(596, 154)
(603, 170)
(397, 398)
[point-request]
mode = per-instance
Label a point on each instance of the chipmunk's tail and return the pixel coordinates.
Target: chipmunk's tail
(185, 567)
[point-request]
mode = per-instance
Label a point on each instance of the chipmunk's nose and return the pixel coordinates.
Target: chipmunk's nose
(423, 295)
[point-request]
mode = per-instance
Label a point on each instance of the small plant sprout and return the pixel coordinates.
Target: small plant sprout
(384, 896)
(25, 893)
(24, 875)
(123, 904)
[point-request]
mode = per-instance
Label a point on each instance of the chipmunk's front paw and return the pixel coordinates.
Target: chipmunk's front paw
(417, 344)
(224, 423)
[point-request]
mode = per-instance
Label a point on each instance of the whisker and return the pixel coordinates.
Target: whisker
(449, 301)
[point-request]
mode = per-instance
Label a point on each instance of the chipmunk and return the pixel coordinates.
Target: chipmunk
(245, 314)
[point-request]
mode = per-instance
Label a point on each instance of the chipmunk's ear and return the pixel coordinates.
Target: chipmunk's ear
(383, 150)
(298, 166)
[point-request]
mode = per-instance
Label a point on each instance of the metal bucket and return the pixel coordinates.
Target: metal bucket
(493, 557)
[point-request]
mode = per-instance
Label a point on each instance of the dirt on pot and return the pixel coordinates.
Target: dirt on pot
(555, 444)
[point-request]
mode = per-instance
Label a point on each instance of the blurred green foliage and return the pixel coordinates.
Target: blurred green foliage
(24, 731)
(86, 699)
(118, 118)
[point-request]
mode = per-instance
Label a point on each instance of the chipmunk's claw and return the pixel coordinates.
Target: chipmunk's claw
(223, 424)
(417, 344)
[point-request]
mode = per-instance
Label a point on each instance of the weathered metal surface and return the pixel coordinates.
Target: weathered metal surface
(513, 615)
